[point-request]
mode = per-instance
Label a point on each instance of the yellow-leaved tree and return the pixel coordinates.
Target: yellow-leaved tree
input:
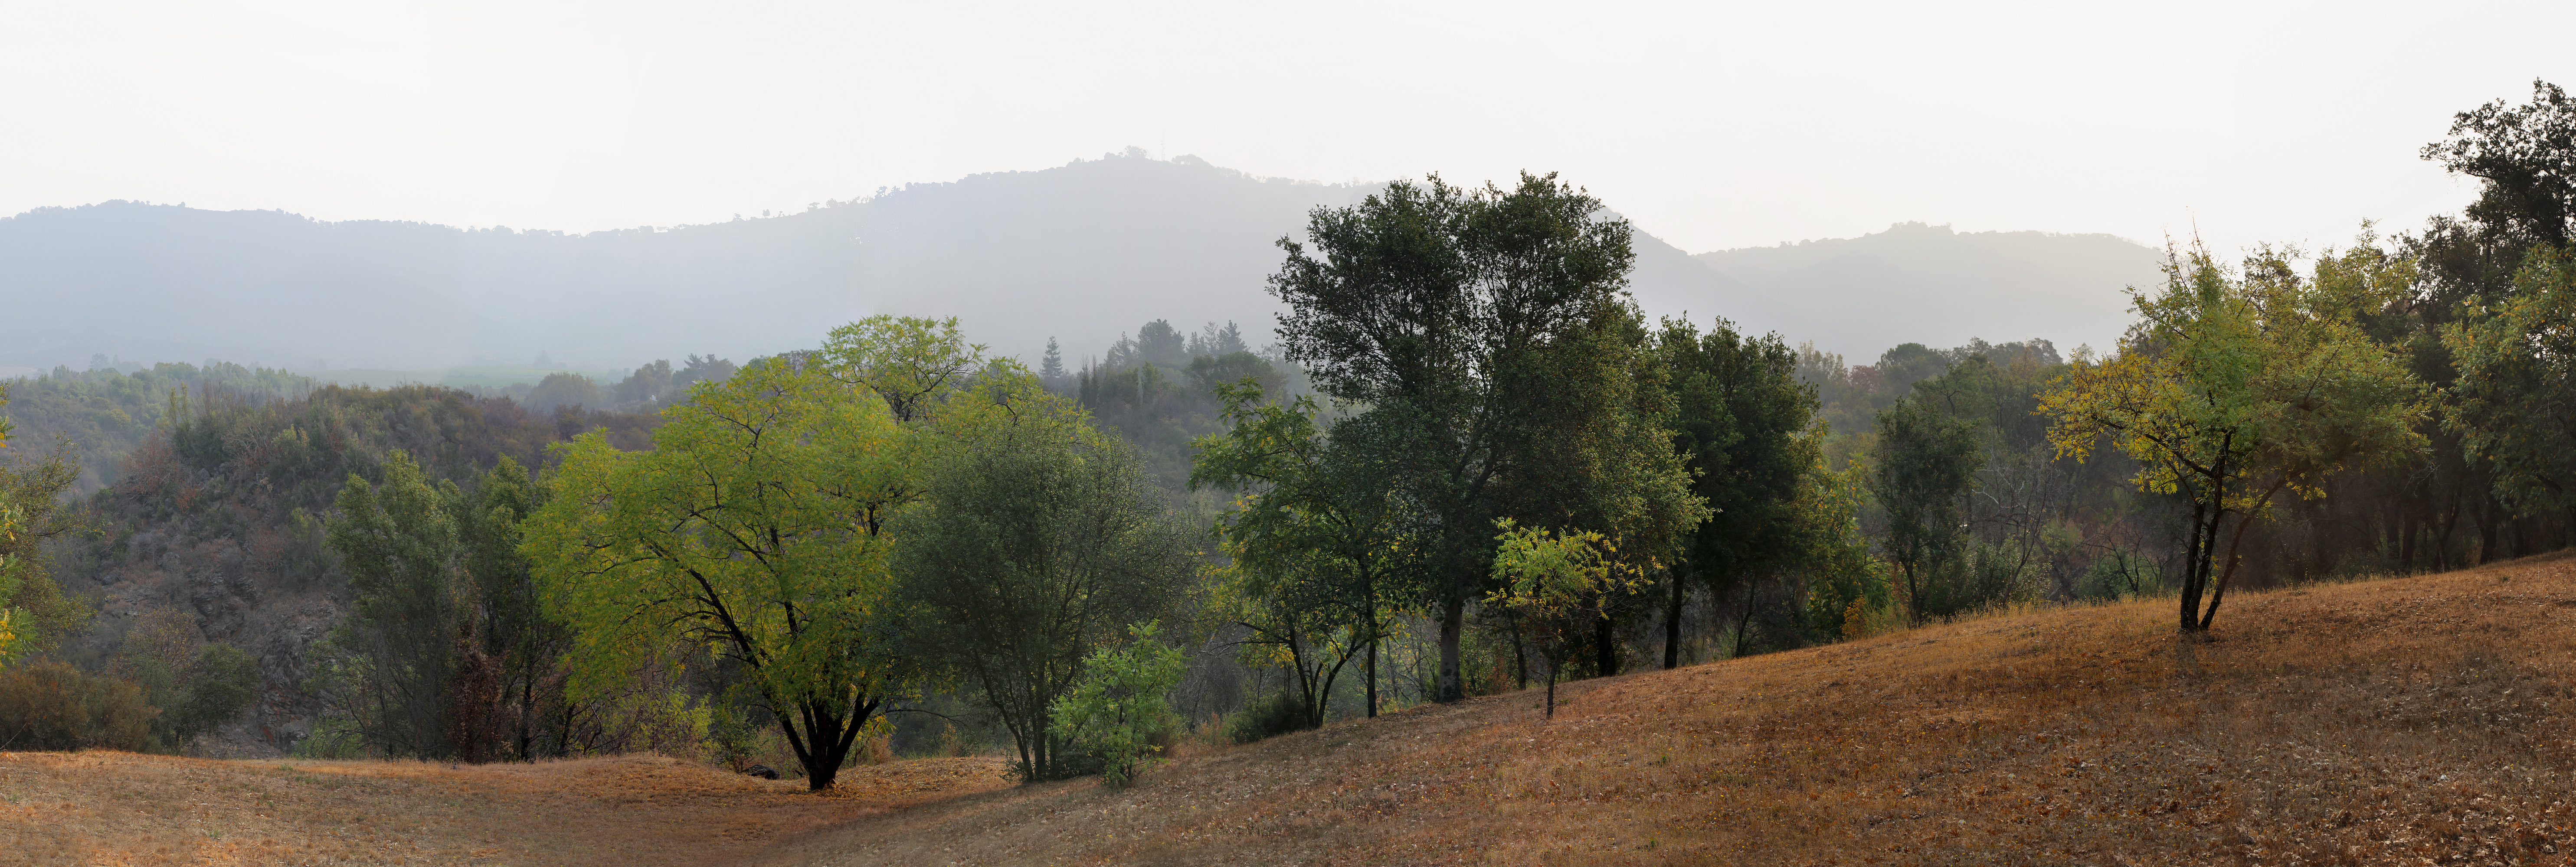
(752, 528)
(9, 519)
(2237, 386)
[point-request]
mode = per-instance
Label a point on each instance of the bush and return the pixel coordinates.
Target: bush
(1269, 717)
(2122, 575)
(53, 706)
(1122, 704)
(224, 682)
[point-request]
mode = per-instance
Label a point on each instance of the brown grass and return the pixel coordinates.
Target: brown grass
(2402, 721)
(110, 808)
(2385, 722)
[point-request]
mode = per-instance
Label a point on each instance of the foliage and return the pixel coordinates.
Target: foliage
(53, 706)
(1922, 474)
(1039, 540)
(2234, 389)
(1319, 540)
(2526, 158)
(2515, 396)
(1740, 424)
(197, 686)
(1122, 703)
(753, 528)
(1555, 584)
(1268, 717)
(1489, 329)
(388, 666)
(35, 615)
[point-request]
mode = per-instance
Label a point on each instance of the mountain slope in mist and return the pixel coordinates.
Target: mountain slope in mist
(1083, 253)
(1928, 284)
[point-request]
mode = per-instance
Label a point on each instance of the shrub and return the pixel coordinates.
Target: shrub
(2122, 575)
(224, 682)
(1268, 717)
(1122, 703)
(53, 706)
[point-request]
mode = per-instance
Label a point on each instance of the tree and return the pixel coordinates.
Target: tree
(1321, 548)
(1554, 585)
(386, 669)
(1741, 426)
(10, 617)
(1039, 543)
(2233, 389)
(35, 614)
(2526, 158)
(1052, 366)
(515, 639)
(1123, 701)
(1922, 474)
(2515, 398)
(1433, 305)
(753, 528)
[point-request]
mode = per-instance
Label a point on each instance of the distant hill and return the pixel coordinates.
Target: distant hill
(1930, 285)
(1083, 252)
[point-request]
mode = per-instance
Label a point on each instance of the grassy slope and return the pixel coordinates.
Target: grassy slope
(2364, 723)
(2369, 723)
(106, 808)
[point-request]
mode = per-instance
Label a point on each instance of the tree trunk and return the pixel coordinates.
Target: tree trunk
(1520, 659)
(1453, 626)
(1605, 648)
(1372, 667)
(2204, 545)
(1673, 623)
(2487, 522)
(2405, 541)
(1551, 687)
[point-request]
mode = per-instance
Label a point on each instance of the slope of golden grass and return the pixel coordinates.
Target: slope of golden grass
(108, 808)
(2417, 720)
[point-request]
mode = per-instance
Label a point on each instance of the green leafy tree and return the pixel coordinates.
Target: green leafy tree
(515, 638)
(1322, 555)
(35, 614)
(1122, 703)
(1924, 469)
(9, 561)
(1741, 426)
(2515, 396)
(754, 528)
(1435, 308)
(1039, 542)
(1555, 585)
(2236, 388)
(385, 670)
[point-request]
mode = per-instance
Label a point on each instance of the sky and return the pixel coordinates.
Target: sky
(1712, 125)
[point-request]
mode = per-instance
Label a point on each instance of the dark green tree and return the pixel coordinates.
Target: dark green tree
(1434, 306)
(1741, 424)
(1040, 542)
(1926, 467)
(388, 664)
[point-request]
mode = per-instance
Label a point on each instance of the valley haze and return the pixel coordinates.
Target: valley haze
(1082, 253)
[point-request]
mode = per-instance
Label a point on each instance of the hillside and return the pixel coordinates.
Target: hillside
(1080, 252)
(1931, 285)
(2377, 722)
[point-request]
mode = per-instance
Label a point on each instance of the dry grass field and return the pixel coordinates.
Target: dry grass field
(107, 808)
(2406, 721)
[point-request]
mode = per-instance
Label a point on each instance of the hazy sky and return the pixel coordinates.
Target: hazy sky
(1714, 125)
